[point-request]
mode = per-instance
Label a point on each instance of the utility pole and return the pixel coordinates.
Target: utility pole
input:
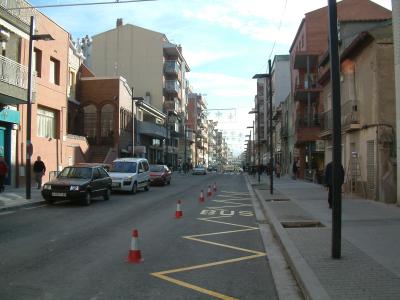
(336, 131)
(271, 148)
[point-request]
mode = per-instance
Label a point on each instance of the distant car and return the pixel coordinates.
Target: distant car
(160, 174)
(199, 170)
(130, 174)
(79, 182)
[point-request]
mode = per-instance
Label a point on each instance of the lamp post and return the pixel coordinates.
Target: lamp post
(29, 146)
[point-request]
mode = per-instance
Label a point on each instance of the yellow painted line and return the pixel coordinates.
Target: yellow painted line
(229, 206)
(193, 287)
(218, 233)
(256, 254)
(212, 264)
(226, 246)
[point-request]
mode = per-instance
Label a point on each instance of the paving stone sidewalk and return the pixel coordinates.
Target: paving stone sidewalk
(13, 198)
(370, 264)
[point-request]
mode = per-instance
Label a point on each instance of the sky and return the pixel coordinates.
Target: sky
(225, 42)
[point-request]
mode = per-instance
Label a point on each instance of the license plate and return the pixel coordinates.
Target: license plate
(59, 194)
(115, 184)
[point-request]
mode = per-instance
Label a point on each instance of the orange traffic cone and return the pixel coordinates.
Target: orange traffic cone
(215, 187)
(134, 255)
(201, 198)
(178, 213)
(209, 193)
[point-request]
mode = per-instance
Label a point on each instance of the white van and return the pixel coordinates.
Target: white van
(130, 174)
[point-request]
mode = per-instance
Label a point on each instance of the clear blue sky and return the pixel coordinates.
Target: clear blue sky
(225, 42)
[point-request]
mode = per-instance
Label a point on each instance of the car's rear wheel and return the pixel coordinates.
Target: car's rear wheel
(87, 200)
(134, 188)
(107, 194)
(169, 182)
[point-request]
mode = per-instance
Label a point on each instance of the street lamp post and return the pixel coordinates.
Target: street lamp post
(29, 146)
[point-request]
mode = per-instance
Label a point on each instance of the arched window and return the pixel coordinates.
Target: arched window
(89, 121)
(107, 121)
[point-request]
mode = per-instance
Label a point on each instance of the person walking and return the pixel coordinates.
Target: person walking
(39, 169)
(278, 170)
(3, 173)
(295, 169)
(328, 179)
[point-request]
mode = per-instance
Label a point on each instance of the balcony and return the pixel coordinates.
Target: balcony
(326, 124)
(171, 67)
(307, 130)
(172, 87)
(172, 106)
(13, 81)
(23, 15)
(350, 116)
(151, 129)
(307, 86)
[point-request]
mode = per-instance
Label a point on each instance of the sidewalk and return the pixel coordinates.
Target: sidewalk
(299, 215)
(13, 198)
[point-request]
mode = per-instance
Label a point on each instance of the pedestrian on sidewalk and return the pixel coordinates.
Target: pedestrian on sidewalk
(39, 169)
(3, 173)
(295, 168)
(278, 170)
(329, 180)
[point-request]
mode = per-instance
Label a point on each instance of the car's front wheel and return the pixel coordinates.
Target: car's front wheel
(147, 187)
(49, 200)
(134, 188)
(107, 194)
(87, 200)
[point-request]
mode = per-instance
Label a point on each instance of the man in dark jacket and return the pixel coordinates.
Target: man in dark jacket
(39, 169)
(329, 180)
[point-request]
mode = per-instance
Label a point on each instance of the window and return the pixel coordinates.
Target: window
(90, 121)
(46, 123)
(54, 76)
(37, 61)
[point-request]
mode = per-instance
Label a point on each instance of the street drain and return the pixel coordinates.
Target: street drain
(302, 224)
(277, 199)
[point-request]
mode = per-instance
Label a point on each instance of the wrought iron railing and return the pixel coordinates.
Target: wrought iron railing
(14, 73)
(350, 113)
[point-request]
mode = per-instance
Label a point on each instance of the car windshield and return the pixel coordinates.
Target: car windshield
(156, 168)
(72, 172)
(123, 167)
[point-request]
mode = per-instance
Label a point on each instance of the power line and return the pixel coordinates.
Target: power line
(76, 4)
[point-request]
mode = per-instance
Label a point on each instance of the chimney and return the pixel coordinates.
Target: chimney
(119, 22)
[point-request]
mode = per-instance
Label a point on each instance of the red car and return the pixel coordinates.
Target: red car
(160, 174)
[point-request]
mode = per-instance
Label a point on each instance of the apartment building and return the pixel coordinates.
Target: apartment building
(212, 143)
(309, 44)
(197, 121)
(367, 108)
(154, 67)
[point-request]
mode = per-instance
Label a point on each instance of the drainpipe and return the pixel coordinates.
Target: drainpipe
(396, 42)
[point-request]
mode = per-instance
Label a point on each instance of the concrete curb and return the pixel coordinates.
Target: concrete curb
(306, 278)
(22, 205)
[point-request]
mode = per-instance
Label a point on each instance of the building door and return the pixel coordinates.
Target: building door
(2, 142)
(371, 165)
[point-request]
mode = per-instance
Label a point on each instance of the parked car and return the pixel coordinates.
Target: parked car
(199, 170)
(79, 182)
(160, 174)
(130, 174)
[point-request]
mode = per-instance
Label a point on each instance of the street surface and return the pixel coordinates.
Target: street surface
(68, 251)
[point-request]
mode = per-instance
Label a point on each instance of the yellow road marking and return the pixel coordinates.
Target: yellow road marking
(193, 287)
(256, 254)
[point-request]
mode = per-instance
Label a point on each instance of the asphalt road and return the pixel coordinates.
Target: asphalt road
(69, 251)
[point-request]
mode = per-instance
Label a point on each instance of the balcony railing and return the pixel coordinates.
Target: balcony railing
(326, 120)
(172, 86)
(350, 113)
(172, 106)
(308, 82)
(171, 67)
(23, 14)
(302, 121)
(14, 73)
